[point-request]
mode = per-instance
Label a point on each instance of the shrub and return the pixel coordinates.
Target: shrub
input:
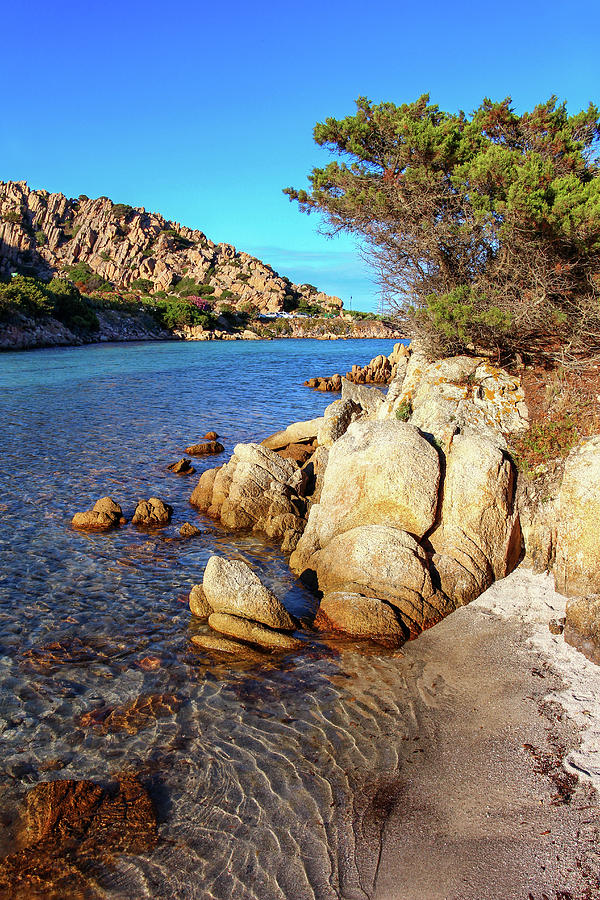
(121, 211)
(59, 298)
(40, 238)
(404, 411)
(13, 216)
(143, 284)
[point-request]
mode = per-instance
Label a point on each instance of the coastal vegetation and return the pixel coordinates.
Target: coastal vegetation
(484, 228)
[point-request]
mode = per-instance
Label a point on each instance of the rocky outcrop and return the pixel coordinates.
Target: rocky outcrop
(256, 489)
(152, 513)
(104, 515)
(577, 564)
(582, 625)
(381, 370)
(43, 233)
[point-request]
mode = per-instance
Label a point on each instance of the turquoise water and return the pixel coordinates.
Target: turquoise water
(254, 773)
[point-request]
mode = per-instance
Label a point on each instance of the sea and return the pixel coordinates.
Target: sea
(265, 778)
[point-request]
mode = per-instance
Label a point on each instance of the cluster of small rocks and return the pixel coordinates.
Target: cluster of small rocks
(381, 370)
(107, 514)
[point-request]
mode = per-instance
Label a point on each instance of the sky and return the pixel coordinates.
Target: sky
(204, 112)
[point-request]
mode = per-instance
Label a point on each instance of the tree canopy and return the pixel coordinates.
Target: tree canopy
(484, 229)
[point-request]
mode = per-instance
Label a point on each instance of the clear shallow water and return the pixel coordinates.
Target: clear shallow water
(262, 777)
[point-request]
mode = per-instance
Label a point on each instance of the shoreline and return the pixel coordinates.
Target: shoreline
(500, 798)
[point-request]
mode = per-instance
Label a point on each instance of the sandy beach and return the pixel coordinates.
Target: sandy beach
(498, 800)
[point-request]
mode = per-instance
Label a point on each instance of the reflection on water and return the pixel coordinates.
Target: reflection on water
(265, 778)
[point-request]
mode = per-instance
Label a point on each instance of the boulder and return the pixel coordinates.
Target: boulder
(257, 489)
(582, 625)
(188, 530)
(245, 630)
(207, 448)
(230, 586)
(152, 513)
(368, 398)
(300, 453)
(361, 617)
(297, 432)
(203, 492)
(182, 467)
(577, 564)
(377, 473)
(216, 644)
(211, 436)
(104, 515)
(382, 562)
(338, 417)
(479, 538)
(199, 605)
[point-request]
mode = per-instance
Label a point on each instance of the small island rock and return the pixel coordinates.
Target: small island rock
(105, 514)
(152, 513)
(182, 467)
(207, 448)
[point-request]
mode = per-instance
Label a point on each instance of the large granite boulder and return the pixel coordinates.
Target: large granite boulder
(360, 617)
(383, 562)
(577, 564)
(230, 586)
(582, 625)
(461, 391)
(377, 473)
(479, 537)
(336, 420)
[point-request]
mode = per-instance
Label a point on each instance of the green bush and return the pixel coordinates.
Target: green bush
(142, 284)
(174, 313)
(40, 238)
(404, 411)
(59, 299)
(187, 287)
(121, 210)
(13, 216)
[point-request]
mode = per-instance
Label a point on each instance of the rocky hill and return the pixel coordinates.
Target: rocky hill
(100, 244)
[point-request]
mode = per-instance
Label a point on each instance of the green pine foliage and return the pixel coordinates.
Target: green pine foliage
(484, 228)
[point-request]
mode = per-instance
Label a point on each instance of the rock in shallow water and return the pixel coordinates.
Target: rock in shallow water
(216, 644)
(207, 448)
(188, 530)
(230, 586)
(70, 830)
(199, 605)
(152, 513)
(182, 467)
(245, 630)
(105, 514)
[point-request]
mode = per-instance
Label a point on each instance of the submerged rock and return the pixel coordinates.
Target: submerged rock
(217, 644)
(152, 513)
(230, 586)
(245, 630)
(104, 515)
(70, 830)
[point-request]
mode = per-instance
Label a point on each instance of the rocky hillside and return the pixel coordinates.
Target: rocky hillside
(105, 245)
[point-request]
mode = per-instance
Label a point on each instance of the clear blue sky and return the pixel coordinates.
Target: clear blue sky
(204, 111)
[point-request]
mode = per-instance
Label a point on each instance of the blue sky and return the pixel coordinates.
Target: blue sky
(204, 111)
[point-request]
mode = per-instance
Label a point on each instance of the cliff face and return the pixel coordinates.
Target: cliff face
(42, 234)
